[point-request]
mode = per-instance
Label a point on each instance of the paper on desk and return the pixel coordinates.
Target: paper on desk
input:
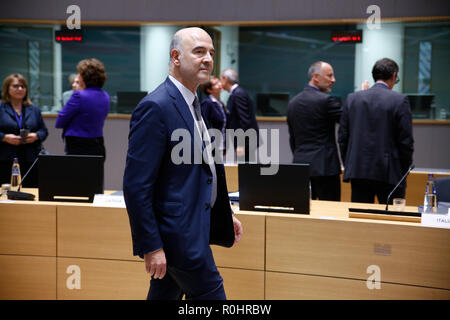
(106, 200)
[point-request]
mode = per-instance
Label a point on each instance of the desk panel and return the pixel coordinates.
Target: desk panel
(249, 252)
(103, 279)
(27, 278)
(405, 254)
(94, 232)
(285, 286)
(27, 229)
(231, 175)
(243, 284)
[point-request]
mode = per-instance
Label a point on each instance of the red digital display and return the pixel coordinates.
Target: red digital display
(347, 36)
(68, 36)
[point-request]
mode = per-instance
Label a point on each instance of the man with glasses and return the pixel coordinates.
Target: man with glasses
(375, 137)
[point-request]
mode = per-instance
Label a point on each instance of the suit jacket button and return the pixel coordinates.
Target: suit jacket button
(209, 181)
(207, 206)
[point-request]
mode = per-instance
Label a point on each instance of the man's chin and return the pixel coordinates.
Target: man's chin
(203, 78)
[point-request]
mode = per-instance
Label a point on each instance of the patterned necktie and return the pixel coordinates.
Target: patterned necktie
(203, 133)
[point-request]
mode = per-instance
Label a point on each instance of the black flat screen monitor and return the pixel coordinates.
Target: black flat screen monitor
(70, 177)
(286, 191)
(128, 100)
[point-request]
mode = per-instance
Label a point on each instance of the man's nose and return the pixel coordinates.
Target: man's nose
(208, 57)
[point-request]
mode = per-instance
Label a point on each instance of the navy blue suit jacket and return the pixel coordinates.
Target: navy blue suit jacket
(212, 114)
(311, 118)
(375, 135)
(32, 120)
(242, 113)
(169, 204)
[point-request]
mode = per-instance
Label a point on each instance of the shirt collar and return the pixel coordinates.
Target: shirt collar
(383, 83)
(312, 86)
(213, 99)
(233, 87)
(185, 92)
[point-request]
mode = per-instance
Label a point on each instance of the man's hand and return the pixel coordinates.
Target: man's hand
(31, 137)
(12, 139)
(237, 229)
(155, 264)
(365, 85)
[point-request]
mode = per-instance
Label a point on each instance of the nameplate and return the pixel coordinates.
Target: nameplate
(436, 220)
(104, 200)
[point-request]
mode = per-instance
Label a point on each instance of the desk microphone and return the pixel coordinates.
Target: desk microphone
(18, 195)
(395, 188)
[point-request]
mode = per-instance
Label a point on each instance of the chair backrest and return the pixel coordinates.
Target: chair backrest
(442, 189)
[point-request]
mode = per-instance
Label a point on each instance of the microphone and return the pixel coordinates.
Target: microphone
(395, 188)
(18, 195)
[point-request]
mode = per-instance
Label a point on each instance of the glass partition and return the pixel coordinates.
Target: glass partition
(272, 61)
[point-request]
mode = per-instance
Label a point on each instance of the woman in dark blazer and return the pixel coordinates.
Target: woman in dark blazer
(83, 116)
(213, 110)
(22, 130)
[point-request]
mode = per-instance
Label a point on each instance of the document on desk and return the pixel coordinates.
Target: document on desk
(107, 200)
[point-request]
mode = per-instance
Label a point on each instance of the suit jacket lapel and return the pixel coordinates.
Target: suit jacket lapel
(183, 109)
(9, 110)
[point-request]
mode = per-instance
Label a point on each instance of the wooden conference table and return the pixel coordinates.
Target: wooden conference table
(46, 247)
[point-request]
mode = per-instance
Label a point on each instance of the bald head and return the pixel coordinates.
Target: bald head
(191, 57)
(180, 35)
(321, 75)
(228, 78)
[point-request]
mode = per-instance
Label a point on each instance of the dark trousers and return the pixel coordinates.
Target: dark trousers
(364, 190)
(202, 283)
(326, 188)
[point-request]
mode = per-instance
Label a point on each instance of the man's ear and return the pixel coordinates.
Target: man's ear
(175, 56)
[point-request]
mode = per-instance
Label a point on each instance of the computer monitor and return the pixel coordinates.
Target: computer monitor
(272, 104)
(286, 191)
(128, 100)
(70, 177)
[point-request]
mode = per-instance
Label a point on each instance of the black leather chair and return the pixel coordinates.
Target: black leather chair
(442, 189)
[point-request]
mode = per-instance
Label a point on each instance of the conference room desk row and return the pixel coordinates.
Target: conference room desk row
(415, 190)
(56, 250)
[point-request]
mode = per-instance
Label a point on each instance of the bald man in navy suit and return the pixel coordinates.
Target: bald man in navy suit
(177, 210)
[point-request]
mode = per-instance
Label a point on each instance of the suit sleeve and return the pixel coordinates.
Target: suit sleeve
(334, 108)
(242, 106)
(343, 133)
(404, 136)
(290, 129)
(146, 149)
(42, 131)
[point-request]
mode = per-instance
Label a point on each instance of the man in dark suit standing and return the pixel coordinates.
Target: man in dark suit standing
(173, 205)
(311, 117)
(242, 116)
(375, 137)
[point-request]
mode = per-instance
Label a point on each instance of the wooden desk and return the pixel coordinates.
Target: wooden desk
(324, 255)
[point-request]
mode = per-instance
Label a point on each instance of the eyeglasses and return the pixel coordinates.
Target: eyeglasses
(397, 80)
(17, 86)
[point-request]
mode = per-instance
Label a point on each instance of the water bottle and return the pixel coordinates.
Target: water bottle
(15, 175)
(429, 204)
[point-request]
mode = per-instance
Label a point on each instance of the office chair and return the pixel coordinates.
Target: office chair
(442, 189)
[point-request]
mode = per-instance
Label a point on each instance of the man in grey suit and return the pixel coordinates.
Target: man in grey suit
(311, 117)
(375, 137)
